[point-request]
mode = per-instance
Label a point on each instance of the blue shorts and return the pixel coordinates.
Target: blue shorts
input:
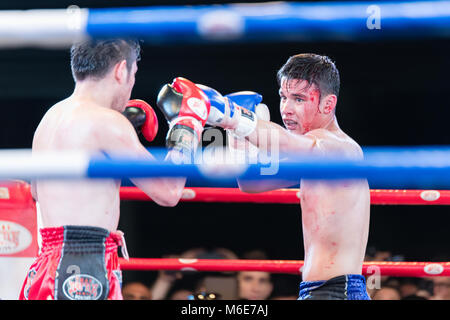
(346, 287)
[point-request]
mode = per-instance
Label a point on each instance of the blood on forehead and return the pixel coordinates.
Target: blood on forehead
(300, 87)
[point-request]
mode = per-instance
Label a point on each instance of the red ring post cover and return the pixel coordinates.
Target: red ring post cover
(18, 220)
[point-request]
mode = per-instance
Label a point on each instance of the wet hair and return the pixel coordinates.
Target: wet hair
(95, 58)
(315, 69)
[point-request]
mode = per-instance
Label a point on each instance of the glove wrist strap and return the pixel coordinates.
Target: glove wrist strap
(246, 123)
(184, 136)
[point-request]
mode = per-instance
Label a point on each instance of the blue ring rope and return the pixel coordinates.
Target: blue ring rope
(279, 21)
(393, 167)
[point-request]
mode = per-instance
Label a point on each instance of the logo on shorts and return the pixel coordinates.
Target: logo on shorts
(82, 287)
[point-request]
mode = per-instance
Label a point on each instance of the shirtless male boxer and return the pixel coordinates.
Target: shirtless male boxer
(335, 215)
(78, 258)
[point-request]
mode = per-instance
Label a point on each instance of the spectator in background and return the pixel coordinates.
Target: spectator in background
(176, 285)
(372, 254)
(185, 286)
(441, 288)
(422, 293)
(414, 297)
(136, 291)
(254, 285)
(167, 278)
(387, 293)
(408, 286)
(415, 288)
(181, 294)
(404, 287)
(217, 286)
(425, 288)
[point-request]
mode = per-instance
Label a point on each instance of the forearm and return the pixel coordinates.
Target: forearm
(272, 140)
(271, 136)
(175, 184)
(257, 186)
(164, 191)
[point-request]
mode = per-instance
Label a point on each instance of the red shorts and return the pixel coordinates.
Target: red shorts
(75, 263)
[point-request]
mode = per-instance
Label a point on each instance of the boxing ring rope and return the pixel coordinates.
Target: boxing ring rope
(244, 22)
(398, 269)
(291, 196)
(409, 168)
(384, 268)
(288, 196)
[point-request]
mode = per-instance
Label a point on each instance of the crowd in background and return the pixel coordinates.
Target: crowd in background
(255, 285)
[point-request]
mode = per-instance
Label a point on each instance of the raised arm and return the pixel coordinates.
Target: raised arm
(237, 113)
(121, 138)
(269, 135)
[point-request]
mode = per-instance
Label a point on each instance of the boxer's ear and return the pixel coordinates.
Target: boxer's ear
(121, 71)
(328, 104)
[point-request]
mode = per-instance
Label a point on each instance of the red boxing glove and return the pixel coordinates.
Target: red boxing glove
(186, 108)
(142, 117)
(195, 102)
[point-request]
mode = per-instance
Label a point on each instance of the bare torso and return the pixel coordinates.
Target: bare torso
(335, 216)
(73, 125)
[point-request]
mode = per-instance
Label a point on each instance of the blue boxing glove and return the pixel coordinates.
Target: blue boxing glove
(228, 114)
(245, 98)
(251, 101)
(238, 147)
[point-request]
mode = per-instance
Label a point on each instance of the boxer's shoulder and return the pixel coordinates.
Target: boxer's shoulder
(335, 142)
(324, 133)
(74, 123)
(96, 118)
(113, 130)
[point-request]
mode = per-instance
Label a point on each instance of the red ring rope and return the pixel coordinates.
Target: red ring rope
(384, 268)
(290, 196)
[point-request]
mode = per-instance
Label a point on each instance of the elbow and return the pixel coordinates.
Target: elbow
(247, 188)
(171, 199)
(169, 203)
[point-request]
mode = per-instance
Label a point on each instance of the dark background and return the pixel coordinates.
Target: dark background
(392, 93)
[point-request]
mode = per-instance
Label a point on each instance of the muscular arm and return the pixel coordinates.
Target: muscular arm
(270, 136)
(164, 191)
(264, 185)
(121, 138)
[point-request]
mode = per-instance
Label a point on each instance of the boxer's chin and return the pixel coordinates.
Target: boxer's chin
(297, 129)
(291, 125)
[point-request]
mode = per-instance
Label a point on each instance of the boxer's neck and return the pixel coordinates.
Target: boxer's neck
(97, 92)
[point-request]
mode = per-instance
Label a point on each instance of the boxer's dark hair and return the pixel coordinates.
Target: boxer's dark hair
(94, 58)
(315, 69)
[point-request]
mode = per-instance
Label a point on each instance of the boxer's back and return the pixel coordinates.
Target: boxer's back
(335, 218)
(74, 126)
